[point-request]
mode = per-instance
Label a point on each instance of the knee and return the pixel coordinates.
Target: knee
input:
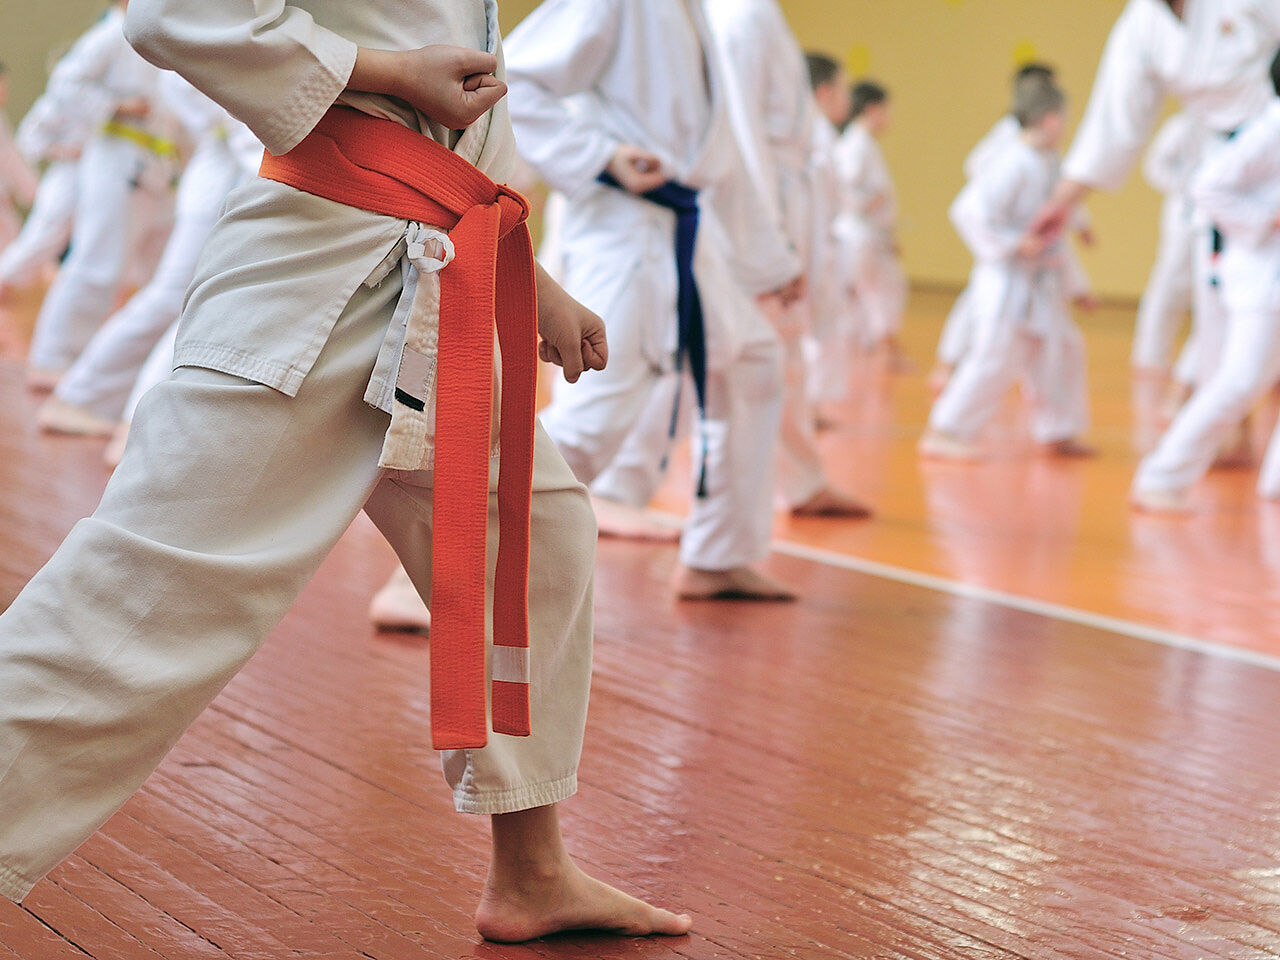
(563, 538)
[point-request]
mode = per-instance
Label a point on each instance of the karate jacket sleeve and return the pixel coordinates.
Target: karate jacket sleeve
(1122, 111)
(267, 62)
(560, 50)
(982, 215)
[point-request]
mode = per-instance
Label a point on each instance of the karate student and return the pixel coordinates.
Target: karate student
(309, 320)
(867, 226)
(1169, 166)
(1212, 55)
(775, 116)
(1020, 286)
(17, 179)
(832, 340)
(958, 328)
(122, 189)
(91, 397)
(1238, 190)
(632, 91)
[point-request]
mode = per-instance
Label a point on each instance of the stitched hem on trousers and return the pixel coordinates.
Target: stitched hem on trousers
(13, 885)
(525, 797)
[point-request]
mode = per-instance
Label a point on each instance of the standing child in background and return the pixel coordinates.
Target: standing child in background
(1169, 167)
(873, 269)
(621, 105)
(833, 333)
(775, 115)
(17, 179)
(1238, 190)
(122, 190)
(1020, 286)
(958, 329)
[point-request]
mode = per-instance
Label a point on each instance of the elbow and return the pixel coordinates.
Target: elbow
(145, 27)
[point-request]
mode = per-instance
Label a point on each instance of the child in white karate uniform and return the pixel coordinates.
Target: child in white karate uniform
(1169, 167)
(634, 89)
(867, 227)
(1020, 288)
(958, 329)
(775, 116)
(1238, 190)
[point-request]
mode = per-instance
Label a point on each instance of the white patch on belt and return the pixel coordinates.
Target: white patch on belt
(510, 664)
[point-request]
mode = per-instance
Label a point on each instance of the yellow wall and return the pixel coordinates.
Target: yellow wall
(947, 63)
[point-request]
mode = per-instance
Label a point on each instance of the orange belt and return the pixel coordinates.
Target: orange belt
(378, 165)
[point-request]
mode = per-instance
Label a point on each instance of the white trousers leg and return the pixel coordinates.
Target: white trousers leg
(957, 331)
(972, 397)
(229, 496)
(1169, 289)
(104, 374)
(1250, 360)
(879, 288)
(800, 471)
(84, 293)
(1056, 384)
(1269, 475)
(828, 358)
(47, 230)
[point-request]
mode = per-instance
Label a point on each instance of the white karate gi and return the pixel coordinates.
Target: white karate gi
(833, 337)
(103, 376)
(958, 329)
(122, 190)
(586, 77)
(17, 184)
(872, 269)
(246, 466)
(1169, 166)
(1021, 326)
(774, 115)
(1214, 60)
(1238, 189)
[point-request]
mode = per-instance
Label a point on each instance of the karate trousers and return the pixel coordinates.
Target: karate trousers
(801, 474)
(1052, 370)
(614, 430)
(47, 229)
(1248, 366)
(229, 496)
(1167, 298)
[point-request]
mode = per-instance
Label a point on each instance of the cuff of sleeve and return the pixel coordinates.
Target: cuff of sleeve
(297, 115)
(1095, 173)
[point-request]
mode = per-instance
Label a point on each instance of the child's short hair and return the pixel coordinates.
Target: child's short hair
(1034, 70)
(822, 68)
(1275, 73)
(1035, 100)
(867, 93)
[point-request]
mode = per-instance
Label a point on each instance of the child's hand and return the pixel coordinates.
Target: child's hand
(1032, 245)
(572, 336)
(454, 86)
(134, 108)
(1087, 237)
(639, 171)
(793, 290)
(1085, 301)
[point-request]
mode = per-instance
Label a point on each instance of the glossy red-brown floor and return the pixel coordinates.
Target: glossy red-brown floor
(878, 771)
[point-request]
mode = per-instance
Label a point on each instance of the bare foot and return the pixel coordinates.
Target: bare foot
(534, 889)
(398, 606)
(1166, 502)
(829, 502)
(740, 583)
(57, 416)
(627, 523)
(1069, 449)
(935, 445)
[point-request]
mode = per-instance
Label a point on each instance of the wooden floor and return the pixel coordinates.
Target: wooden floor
(879, 771)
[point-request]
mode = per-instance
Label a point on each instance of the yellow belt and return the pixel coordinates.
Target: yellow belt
(157, 145)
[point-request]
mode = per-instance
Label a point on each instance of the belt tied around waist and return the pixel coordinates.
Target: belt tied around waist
(160, 146)
(486, 278)
(691, 339)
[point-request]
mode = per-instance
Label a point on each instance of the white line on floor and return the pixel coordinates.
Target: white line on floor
(1055, 611)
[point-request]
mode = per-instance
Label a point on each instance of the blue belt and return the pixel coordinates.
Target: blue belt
(691, 342)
